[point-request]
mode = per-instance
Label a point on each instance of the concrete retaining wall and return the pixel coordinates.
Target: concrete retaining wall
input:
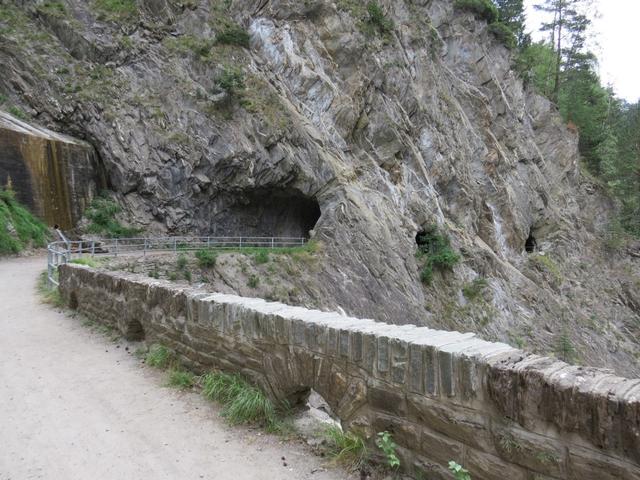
(502, 413)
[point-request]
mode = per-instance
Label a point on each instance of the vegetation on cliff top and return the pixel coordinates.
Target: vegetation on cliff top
(564, 70)
(19, 229)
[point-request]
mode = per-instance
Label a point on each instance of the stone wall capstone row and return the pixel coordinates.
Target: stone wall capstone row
(444, 396)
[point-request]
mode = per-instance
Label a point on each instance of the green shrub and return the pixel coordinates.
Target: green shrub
(474, 290)
(19, 229)
(18, 112)
(436, 252)
(346, 448)
(261, 257)
(231, 80)
(181, 379)
(101, 214)
(3, 99)
(233, 35)
(182, 261)
(388, 446)
(187, 275)
(564, 348)
(253, 281)
(485, 9)
(459, 473)
(242, 402)
(159, 356)
(206, 258)
(504, 34)
(378, 20)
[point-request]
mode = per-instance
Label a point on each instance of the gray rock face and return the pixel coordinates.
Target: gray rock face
(380, 135)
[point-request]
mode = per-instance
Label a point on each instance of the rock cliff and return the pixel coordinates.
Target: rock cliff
(288, 117)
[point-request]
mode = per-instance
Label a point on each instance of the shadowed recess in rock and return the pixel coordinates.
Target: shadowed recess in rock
(266, 212)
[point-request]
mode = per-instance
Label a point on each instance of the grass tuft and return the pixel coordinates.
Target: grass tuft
(181, 379)
(242, 402)
(159, 356)
(206, 258)
(346, 448)
(87, 261)
(49, 294)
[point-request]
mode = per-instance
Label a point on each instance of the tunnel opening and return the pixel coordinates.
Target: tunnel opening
(73, 301)
(266, 213)
(134, 331)
(530, 245)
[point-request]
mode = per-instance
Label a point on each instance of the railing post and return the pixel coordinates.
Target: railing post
(208, 242)
(144, 248)
(240, 242)
(272, 242)
(175, 246)
(116, 247)
(93, 248)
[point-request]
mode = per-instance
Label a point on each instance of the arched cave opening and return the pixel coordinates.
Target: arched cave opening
(530, 245)
(134, 332)
(268, 212)
(73, 301)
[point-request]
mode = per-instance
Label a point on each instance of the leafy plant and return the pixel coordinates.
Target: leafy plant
(242, 402)
(378, 19)
(206, 258)
(435, 249)
(387, 445)
(459, 473)
(231, 80)
(346, 448)
(159, 356)
(253, 281)
(187, 275)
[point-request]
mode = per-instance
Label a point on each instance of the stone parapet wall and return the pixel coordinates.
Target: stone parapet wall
(502, 413)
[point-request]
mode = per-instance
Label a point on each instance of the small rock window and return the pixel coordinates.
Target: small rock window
(531, 245)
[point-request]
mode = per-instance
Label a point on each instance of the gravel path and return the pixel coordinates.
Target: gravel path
(75, 406)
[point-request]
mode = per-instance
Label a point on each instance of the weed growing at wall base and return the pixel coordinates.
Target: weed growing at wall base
(388, 446)
(181, 379)
(242, 402)
(346, 448)
(459, 473)
(436, 252)
(159, 356)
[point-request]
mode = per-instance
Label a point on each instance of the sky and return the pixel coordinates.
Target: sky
(616, 43)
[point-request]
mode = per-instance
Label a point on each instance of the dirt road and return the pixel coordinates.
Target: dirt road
(75, 406)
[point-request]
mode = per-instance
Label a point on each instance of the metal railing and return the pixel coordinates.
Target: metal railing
(61, 252)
